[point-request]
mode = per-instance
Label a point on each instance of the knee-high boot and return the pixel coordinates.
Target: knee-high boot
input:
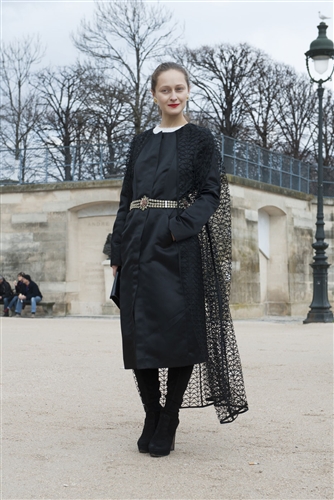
(149, 387)
(164, 437)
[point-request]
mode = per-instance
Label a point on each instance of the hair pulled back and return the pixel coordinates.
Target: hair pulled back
(165, 67)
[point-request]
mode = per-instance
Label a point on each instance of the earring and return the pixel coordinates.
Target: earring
(155, 100)
(187, 98)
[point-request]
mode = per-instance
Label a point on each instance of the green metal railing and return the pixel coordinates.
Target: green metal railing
(104, 161)
(253, 162)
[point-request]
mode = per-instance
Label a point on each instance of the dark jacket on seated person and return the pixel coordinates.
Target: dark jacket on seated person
(20, 287)
(5, 289)
(32, 291)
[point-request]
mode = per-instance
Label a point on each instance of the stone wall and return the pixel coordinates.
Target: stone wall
(56, 233)
(273, 230)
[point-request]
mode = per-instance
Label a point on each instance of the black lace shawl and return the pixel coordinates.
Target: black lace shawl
(219, 380)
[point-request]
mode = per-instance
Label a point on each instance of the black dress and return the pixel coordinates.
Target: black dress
(155, 331)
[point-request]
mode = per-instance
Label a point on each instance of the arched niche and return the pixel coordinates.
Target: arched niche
(273, 257)
(88, 227)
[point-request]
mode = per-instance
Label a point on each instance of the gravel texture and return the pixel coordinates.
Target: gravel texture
(71, 417)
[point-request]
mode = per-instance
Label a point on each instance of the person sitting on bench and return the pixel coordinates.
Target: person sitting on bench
(32, 295)
(19, 288)
(6, 294)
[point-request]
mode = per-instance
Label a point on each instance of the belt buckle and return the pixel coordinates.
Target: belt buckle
(143, 203)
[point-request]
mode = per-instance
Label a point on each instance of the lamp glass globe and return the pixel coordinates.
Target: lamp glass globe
(321, 64)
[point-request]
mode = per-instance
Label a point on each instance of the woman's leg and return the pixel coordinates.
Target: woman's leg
(149, 388)
(163, 440)
(177, 383)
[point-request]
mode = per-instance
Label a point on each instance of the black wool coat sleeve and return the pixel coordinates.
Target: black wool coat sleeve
(124, 206)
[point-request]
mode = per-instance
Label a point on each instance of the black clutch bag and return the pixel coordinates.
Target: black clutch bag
(114, 294)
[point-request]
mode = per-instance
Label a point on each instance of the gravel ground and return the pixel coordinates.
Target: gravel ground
(71, 417)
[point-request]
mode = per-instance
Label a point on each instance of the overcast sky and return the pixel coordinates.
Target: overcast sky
(283, 29)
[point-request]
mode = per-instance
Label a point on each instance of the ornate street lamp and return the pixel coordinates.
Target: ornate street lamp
(322, 52)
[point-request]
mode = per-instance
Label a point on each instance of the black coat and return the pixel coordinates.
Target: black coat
(20, 287)
(5, 289)
(155, 330)
(32, 291)
(179, 287)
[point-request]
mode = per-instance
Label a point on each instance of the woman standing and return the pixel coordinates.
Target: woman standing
(172, 239)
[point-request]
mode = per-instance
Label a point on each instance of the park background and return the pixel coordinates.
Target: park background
(68, 115)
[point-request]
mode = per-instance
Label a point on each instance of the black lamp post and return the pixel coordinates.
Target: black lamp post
(322, 52)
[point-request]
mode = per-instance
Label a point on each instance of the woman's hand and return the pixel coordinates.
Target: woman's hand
(114, 269)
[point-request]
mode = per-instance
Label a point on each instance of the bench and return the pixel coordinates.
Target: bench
(47, 307)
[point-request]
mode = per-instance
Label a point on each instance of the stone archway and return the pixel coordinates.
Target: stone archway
(273, 257)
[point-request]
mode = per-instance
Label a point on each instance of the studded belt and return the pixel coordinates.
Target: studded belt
(146, 202)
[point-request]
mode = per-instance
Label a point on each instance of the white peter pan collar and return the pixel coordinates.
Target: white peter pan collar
(158, 129)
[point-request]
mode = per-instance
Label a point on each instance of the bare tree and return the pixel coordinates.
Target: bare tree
(127, 35)
(108, 116)
(20, 110)
(328, 143)
(64, 95)
(222, 76)
(295, 109)
(260, 105)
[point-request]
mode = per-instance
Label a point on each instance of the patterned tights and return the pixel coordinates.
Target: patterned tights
(149, 387)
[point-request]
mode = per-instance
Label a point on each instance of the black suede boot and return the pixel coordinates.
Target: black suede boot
(163, 441)
(150, 425)
(148, 383)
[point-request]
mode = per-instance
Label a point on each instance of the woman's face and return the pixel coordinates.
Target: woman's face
(171, 92)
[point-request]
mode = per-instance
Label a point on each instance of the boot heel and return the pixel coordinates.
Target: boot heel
(163, 441)
(172, 446)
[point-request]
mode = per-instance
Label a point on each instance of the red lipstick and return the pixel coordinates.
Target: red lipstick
(173, 105)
